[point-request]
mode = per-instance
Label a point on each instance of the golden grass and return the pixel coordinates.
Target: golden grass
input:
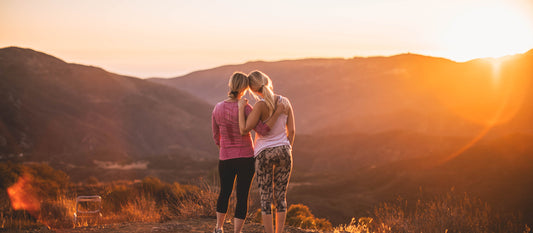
(362, 225)
(451, 212)
(153, 200)
(150, 200)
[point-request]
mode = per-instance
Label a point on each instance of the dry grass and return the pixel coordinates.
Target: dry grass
(144, 209)
(153, 200)
(201, 204)
(150, 200)
(451, 212)
(362, 225)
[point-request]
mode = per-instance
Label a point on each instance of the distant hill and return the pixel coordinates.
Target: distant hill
(67, 113)
(376, 94)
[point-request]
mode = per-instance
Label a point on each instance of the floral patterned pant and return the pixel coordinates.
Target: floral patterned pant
(273, 168)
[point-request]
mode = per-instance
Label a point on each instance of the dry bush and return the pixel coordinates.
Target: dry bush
(299, 215)
(144, 209)
(362, 225)
(117, 196)
(450, 212)
(148, 201)
(42, 183)
(199, 202)
(153, 200)
(446, 213)
(58, 213)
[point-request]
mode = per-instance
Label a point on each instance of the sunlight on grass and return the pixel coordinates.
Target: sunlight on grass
(450, 212)
(150, 200)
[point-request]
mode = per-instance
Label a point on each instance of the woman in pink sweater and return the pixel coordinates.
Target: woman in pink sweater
(236, 152)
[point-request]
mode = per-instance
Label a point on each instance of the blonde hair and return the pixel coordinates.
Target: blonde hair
(263, 84)
(238, 83)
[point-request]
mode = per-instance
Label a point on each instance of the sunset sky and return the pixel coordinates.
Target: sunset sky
(171, 38)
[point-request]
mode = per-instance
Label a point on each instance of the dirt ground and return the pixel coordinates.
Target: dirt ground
(174, 226)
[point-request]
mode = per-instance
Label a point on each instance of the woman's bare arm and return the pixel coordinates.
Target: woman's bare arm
(291, 128)
(247, 124)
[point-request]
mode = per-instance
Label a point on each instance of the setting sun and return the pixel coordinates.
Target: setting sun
(492, 31)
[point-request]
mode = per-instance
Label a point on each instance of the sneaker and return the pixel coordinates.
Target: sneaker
(218, 231)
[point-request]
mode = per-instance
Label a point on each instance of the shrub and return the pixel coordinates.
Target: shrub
(299, 215)
(198, 201)
(57, 213)
(143, 209)
(42, 191)
(118, 196)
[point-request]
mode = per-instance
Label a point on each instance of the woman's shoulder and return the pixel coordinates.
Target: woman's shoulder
(283, 99)
(260, 102)
(217, 105)
(226, 102)
(220, 104)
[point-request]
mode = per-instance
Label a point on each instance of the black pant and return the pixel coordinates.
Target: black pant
(244, 169)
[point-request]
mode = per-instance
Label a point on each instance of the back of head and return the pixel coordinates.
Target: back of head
(261, 83)
(238, 83)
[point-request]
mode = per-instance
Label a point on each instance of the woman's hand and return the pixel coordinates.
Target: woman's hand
(242, 102)
(283, 106)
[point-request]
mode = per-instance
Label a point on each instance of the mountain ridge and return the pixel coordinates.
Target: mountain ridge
(448, 97)
(71, 113)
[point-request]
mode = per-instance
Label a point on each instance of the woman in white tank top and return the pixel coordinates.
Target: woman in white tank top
(273, 151)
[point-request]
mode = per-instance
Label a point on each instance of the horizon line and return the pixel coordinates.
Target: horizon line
(267, 61)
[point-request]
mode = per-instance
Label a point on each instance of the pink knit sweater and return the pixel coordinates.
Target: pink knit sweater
(226, 133)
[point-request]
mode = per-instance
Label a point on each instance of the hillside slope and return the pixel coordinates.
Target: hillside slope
(377, 94)
(55, 111)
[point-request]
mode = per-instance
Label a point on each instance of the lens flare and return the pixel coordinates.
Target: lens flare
(23, 197)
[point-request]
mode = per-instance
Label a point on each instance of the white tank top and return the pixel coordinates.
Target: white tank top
(276, 137)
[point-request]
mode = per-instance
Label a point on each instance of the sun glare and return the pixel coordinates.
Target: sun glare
(496, 70)
(488, 32)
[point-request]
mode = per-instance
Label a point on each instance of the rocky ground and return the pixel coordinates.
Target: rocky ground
(196, 225)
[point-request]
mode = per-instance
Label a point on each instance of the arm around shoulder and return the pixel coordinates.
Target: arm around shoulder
(247, 123)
